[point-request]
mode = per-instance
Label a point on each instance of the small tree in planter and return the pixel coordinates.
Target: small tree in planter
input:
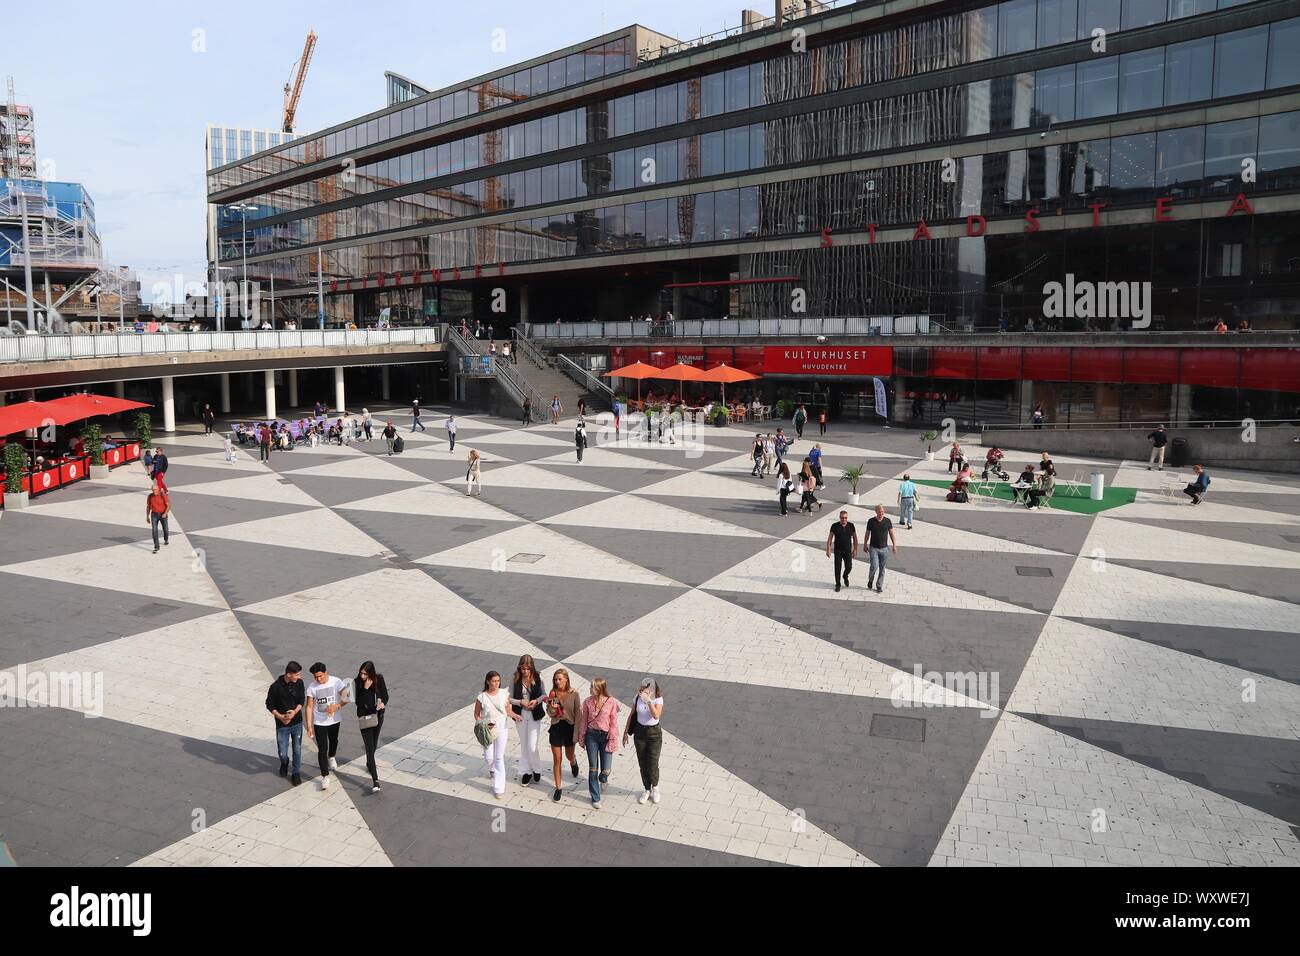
(720, 416)
(780, 408)
(144, 429)
(92, 436)
(15, 465)
(929, 438)
(853, 475)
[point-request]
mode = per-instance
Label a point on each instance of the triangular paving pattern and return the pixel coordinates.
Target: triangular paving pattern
(613, 479)
(635, 514)
(321, 530)
(410, 536)
(248, 572)
(691, 559)
(538, 504)
(337, 491)
(263, 487)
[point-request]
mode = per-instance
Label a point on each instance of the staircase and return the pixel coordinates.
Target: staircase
(551, 375)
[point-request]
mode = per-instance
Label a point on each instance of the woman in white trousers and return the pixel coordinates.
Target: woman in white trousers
(494, 703)
(474, 474)
(526, 695)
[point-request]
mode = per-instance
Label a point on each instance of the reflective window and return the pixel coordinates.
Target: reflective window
(634, 224)
(749, 212)
(1279, 151)
(555, 78)
(595, 63)
(757, 96)
(1141, 13)
(981, 33)
(541, 79)
(1226, 145)
(1096, 84)
(666, 105)
(574, 69)
(757, 137)
(624, 118)
(703, 225)
(1057, 21)
(726, 214)
(1132, 166)
(564, 132)
(550, 133)
(1015, 26)
(1189, 71)
(644, 105)
(1054, 95)
(1141, 80)
(1189, 8)
(737, 149)
(1098, 14)
(656, 222)
(1284, 54)
(1180, 156)
(737, 88)
(1240, 59)
(712, 95)
(712, 160)
(666, 162)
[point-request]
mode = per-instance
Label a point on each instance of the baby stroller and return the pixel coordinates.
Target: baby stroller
(993, 466)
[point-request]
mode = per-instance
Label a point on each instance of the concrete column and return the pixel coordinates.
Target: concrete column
(31, 395)
(523, 302)
(169, 405)
(119, 389)
(225, 393)
(385, 390)
(249, 386)
(293, 387)
(269, 378)
(1180, 405)
(338, 389)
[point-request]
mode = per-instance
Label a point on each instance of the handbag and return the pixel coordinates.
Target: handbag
(368, 721)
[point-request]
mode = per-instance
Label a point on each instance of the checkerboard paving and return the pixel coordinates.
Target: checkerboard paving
(1030, 688)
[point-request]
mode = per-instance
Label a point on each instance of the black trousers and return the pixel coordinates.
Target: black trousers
(266, 452)
(327, 745)
(843, 560)
(370, 737)
(579, 446)
(207, 427)
(785, 493)
(451, 437)
(823, 427)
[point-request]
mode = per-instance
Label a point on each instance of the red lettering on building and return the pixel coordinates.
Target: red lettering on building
(827, 241)
(1031, 220)
(1096, 208)
(478, 271)
(1240, 204)
(1164, 209)
(437, 275)
(828, 360)
(921, 230)
(871, 232)
(971, 222)
(501, 268)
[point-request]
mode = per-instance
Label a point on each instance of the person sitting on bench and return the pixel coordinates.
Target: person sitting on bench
(1046, 486)
(1197, 489)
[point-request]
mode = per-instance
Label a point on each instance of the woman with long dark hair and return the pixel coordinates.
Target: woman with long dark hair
(784, 485)
(493, 705)
(562, 707)
(643, 725)
(526, 696)
(371, 695)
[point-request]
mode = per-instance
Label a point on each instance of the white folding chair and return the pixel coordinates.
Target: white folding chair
(1075, 485)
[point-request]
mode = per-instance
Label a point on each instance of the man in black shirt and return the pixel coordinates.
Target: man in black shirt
(880, 541)
(1158, 439)
(843, 543)
(285, 701)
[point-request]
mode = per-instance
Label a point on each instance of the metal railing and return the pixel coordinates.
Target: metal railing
(56, 348)
(530, 351)
(726, 328)
(583, 377)
(1231, 423)
(505, 373)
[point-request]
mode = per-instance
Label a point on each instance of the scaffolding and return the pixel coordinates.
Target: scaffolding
(17, 138)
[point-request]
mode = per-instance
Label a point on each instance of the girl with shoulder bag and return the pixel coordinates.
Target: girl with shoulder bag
(492, 718)
(598, 734)
(562, 705)
(371, 695)
(643, 725)
(526, 695)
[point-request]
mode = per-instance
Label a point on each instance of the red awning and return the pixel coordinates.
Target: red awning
(75, 408)
(25, 415)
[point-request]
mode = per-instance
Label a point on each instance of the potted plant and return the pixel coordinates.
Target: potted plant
(780, 408)
(853, 475)
(720, 416)
(92, 436)
(15, 465)
(929, 438)
(144, 429)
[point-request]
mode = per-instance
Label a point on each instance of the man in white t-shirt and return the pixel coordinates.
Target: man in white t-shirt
(451, 431)
(326, 696)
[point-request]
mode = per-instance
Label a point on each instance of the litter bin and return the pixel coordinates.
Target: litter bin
(1098, 486)
(1178, 453)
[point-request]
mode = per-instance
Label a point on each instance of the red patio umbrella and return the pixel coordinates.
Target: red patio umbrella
(724, 373)
(74, 408)
(25, 415)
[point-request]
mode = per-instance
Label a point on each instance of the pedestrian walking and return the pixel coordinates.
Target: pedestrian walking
(800, 419)
(643, 726)
(580, 437)
(372, 703)
(618, 415)
(842, 545)
(474, 474)
(528, 409)
(906, 501)
(157, 509)
(526, 695)
(230, 449)
(492, 714)
(598, 735)
(415, 416)
(264, 442)
(1038, 416)
(780, 445)
(366, 424)
(451, 432)
(880, 541)
(954, 457)
(784, 484)
(328, 696)
(285, 699)
(769, 454)
(666, 424)
(1195, 490)
(821, 421)
(556, 409)
(582, 408)
(562, 706)
(208, 418)
(816, 457)
(1159, 439)
(756, 452)
(808, 487)
(159, 468)
(390, 435)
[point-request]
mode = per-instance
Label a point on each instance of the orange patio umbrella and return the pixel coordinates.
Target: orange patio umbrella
(638, 371)
(681, 372)
(724, 373)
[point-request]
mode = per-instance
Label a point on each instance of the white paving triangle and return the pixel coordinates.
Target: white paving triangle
(702, 484)
(1136, 476)
(702, 636)
(799, 570)
(175, 573)
(529, 476)
(1122, 593)
(124, 509)
(642, 514)
(1125, 540)
(399, 603)
(703, 805)
(1076, 804)
(560, 556)
(1081, 671)
(432, 499)
(924, 534)
(1153, 505)
(360, 466)
(303, 826)
(320, 530)
(511, 437)
(142, 680)
(605, 458)
(265, 487)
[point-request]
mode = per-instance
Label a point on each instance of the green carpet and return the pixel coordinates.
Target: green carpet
(1079, 504)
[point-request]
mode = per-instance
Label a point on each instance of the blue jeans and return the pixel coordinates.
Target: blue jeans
(282, 736)
(878, 558)
(905, 510)
(597, 756)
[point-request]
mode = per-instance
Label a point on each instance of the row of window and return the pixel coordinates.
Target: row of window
(1013, 26)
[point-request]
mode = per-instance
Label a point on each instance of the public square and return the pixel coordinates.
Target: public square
(1143, 659)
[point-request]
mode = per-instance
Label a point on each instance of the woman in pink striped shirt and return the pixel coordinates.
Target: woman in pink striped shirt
(598, 733)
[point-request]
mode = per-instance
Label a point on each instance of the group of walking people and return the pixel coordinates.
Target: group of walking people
(592, 725)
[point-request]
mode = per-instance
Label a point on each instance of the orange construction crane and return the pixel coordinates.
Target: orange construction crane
(485, 246)
(297, 73)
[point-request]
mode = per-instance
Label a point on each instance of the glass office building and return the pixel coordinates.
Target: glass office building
(948, 160)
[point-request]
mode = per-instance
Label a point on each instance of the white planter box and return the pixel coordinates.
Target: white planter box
(16, 500)
(98, 471)
(853, 498)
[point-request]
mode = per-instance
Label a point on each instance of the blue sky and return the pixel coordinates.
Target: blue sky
(122, 98)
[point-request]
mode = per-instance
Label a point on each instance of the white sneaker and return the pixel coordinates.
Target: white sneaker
(324, 783)
(644, 798)
(654, 794)
(334, 764)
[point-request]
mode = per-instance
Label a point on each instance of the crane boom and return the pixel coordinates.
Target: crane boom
(298, 73)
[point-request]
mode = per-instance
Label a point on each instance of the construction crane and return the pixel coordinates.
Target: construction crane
(297, 73)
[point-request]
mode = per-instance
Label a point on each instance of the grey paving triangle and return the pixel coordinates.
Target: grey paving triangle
(1261, 501)
(1066, 535)
(884, 782)
(1259, 772)
(500, 450)
(422, 828)
(426, 681)
(616, 479)
(558, 615)
(182, 475)
(198, 512)
(247, 573)
(412, 536)
(336, 491)
(761, 516)
(282, 461)
(689, 558)
(99, 792)
(1264, 535)
(937, 639)
(1282, 584)
(1028, 580)
(30, 535)
(536, 504)
(431, 469)
(90, 489)
(45, 618)
(696, 461)
(1270, 653)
